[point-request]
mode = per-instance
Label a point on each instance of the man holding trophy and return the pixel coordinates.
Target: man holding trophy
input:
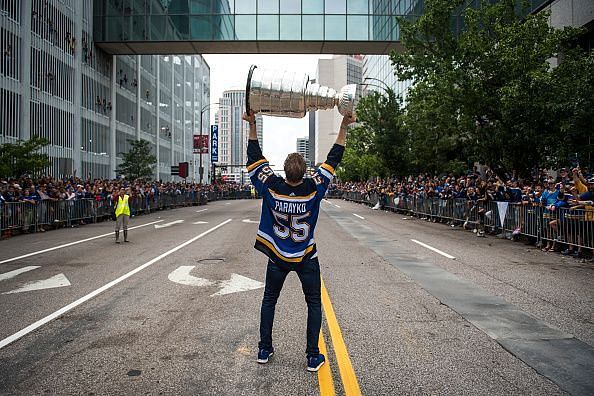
(291, 206)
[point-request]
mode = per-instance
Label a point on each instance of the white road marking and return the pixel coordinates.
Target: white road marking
(158, 226)
(182, 276)
(337, 206)
(59, 280)
(250, 221)
(200, 222)
(237, 283)
(325, 200)
(201, 210)
(434, 249)
(227, 203)
(356, 215)
(72, 243)
(94, 293)
(12, 274)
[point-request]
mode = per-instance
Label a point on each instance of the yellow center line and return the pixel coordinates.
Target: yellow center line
(345, 367)
(324, 373)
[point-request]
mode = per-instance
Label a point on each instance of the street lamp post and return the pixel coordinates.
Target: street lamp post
(386, 86)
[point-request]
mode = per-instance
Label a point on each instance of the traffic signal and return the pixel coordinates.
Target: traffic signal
(183, 170)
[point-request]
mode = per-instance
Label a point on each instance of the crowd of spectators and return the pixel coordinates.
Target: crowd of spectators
(48, 188)
(31, 192)
(563, 198)
(570, 186)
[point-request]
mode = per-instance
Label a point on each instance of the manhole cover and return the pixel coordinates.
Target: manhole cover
(208, 261)
(134, 373)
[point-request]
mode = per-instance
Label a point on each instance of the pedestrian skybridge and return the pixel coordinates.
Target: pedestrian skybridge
(250, 26)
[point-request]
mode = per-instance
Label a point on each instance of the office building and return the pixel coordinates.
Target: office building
(233, 135)
(303, 148)
(57, 84)
(334, 73)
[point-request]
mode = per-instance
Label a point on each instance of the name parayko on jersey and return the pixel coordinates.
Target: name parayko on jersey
(289, 207)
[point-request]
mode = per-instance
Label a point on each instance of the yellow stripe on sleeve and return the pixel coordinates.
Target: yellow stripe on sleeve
(329, 168)
(256, 164)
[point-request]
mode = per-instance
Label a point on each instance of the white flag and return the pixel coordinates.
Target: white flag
(502, 207)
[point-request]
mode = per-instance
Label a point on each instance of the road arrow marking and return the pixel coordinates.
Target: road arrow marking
(201, 210)
(34, 326)
(12, 274)
(250, 221)
(59, 280)
(158, 226)
(200, 222)
(182, 276)
(237, 283)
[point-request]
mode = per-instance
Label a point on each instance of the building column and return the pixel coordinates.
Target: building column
(158, 111)
(193, 129)
(25, 109)
(138, 97)
(185, 156)
(112, 119)
(172, 127)
(77, 99)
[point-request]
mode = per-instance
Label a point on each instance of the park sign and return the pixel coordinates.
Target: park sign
(200, 144)
(214, 143)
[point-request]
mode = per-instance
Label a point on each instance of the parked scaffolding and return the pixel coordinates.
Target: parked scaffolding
(574, 227)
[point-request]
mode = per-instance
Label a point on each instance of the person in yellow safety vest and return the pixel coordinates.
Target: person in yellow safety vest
(122, 212)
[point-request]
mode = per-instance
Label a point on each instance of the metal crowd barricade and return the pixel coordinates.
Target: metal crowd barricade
(27, 217)
(13, 215)
(570, 227)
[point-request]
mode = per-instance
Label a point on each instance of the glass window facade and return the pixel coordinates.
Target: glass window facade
(372, 24)
(55, 83)
(136, 21)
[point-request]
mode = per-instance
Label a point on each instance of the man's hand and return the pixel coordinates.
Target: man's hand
(249, 116)
(348, 119)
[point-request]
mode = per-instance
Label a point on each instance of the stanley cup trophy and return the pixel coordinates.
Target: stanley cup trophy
(287, 94)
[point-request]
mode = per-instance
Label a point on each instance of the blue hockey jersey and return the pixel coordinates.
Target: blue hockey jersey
(289, 213)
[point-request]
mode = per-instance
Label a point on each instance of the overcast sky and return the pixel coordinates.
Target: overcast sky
(230, 72)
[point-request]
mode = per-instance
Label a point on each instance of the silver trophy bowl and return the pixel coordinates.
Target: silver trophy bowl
(287, 94)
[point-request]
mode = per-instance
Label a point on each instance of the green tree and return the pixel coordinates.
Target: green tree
(438, 142)
(379, 145)
(487, 91)
(572, 104)
(23, 157)
(138, 162)
(359, 162)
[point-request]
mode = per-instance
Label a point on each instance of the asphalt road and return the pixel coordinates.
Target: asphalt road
(167, 313)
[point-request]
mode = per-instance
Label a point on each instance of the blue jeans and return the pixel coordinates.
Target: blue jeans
(309, 275)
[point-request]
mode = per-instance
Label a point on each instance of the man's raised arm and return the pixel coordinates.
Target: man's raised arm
(337, 150)
(328, 167)
(254, 151)
(342, 132)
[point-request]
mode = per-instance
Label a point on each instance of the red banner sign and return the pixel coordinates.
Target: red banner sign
(201, 144)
